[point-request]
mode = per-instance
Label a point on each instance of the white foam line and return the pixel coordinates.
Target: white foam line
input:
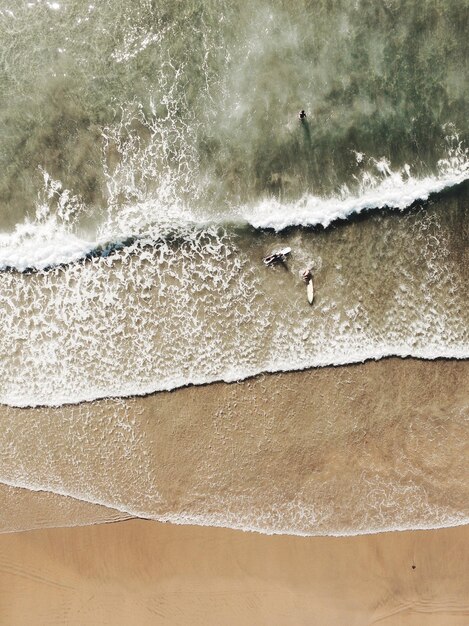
(216, 521)
(231, 375)
(392, 193)
(38, 245)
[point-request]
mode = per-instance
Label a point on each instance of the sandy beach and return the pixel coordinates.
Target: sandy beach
(357, 449)
(146, 573)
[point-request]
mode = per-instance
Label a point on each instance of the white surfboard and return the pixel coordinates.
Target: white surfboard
(310, 291)
(276, 257)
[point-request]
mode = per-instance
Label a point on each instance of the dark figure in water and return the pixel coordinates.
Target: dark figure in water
(305, 128)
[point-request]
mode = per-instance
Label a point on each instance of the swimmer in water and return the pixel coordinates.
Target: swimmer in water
(302, 115)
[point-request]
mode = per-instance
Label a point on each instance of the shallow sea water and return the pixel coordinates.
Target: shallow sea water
(151, 155)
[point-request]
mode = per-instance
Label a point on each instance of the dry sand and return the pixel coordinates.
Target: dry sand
(142, 573)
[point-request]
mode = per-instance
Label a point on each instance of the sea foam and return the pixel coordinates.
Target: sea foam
(52, 237)
(48, 243)
(379, 187)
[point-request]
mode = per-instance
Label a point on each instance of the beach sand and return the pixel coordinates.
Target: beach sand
(22, 509)
(333, 450)
(336, 450)
(354, 449)
(142, 572)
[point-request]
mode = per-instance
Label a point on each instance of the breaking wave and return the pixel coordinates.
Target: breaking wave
(51, 239)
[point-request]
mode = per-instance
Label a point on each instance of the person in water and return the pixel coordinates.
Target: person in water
(302, 115)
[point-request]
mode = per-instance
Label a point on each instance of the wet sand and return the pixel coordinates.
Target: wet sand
(22, 509)
(346, 450)
(353, 449)
(142, 572)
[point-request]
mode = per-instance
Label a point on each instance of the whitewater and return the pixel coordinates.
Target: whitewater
(142, 182)
(51, 238)
(151, 155)
(105, 326)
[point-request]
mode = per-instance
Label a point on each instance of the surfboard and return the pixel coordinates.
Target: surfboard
(310, 291)
(276, 257)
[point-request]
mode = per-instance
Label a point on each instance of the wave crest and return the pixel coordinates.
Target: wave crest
(53, 237)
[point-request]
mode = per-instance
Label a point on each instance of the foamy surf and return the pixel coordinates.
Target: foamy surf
(304, 443)
(253, 521)
(37, 246)
(50, 240)
(394, 190)
(336, 357)
(151, 156)
(389, 285)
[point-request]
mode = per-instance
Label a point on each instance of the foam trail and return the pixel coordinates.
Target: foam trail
(220, 372)
(41, 245)
(390, 285)
(245, 523)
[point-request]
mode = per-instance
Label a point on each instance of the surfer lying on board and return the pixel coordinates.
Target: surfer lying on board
(277, 257)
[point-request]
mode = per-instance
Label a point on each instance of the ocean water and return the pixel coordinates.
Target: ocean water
(171, 134)
(151, 154)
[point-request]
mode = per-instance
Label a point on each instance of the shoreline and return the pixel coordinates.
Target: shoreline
(135, 395)
(332, 451)
(23, 510)
(75, 512)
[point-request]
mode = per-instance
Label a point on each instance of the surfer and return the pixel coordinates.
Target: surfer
(304, 125)
(277, 257)
(307, 276)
